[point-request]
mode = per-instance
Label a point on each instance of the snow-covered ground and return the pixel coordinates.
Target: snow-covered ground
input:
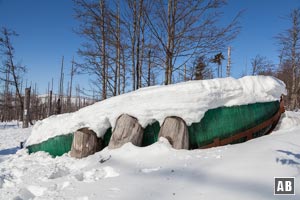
(242, 171)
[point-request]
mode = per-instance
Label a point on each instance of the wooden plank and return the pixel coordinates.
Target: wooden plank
(175, 130)
(127, 130)
(85, 143)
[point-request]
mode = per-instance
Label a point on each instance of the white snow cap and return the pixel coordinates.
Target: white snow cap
(189, 100)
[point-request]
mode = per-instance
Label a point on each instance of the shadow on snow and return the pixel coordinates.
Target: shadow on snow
(295, 160)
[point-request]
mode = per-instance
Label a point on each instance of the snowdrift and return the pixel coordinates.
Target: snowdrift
(207, 107)
(244, 171)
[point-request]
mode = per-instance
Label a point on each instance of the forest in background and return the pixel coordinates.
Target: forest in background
(130, 44)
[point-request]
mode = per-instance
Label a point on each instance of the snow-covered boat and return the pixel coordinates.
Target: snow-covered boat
(216, 112)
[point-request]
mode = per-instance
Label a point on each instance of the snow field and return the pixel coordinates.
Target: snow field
(242, 171)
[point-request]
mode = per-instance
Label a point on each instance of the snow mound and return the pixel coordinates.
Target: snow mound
(288, 120)
(242, 171)
(188, 100)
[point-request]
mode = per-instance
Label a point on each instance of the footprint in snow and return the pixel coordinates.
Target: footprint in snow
(96, 174)
(30, 192)
(114, 189)
(58, 172)
(82, 198)
(149, 170)
(36, 190)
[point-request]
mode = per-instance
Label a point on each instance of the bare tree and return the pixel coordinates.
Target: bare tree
(95, 18)
(145, 38)
(134, 21)
(284, 73)
(187, 28)
(289, 42)
(13, 70)
(261, 66)
(72, 72)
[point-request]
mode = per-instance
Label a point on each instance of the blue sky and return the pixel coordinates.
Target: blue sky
(261, 22)
(45, 29)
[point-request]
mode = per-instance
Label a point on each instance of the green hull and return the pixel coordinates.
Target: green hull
(221, 123)
(225, 122)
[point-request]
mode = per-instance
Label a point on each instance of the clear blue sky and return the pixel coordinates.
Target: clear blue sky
(46, 34)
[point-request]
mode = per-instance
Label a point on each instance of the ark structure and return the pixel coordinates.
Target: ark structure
(192, 115)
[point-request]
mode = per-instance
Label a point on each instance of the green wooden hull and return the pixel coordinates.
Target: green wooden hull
(225, 122)
(221, 123)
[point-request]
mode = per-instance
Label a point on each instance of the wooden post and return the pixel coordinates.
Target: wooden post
(58, 107)
(26, 107)
(85, 143)
(127, 129)
(175, 130)
(50, 103)
(228, 62)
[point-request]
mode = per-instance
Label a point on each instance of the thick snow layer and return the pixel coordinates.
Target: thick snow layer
(243, 171)
(189, 100)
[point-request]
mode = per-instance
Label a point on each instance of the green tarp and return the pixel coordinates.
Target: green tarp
(224, 122)
(61, 144)
(220, 123)
(107, 136)
(150, 134)
(56, 146)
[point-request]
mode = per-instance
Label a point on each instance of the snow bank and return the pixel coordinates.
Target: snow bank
(243, 171)
(188, 100)
(288, 120)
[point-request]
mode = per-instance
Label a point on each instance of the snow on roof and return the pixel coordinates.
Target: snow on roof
(189, 100)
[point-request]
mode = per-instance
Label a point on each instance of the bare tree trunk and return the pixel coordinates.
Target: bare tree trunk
(149, 69)
(133, 41)
(26, 108)
(58, 107)
(184, 75)
(172, 47)
(142, 21)
(172, 6)
(118, 48)
(103, 48)
(138, 48)
(168, 53)
(16, 83)
(50, 104)
(61, 89)
(124, 72)
(6, 94)
(228, 62)
(295, 33)
(71, 86)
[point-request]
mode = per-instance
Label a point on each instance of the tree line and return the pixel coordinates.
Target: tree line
(12, 100)
(150, 42)
(132, 44)
(136, 43)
